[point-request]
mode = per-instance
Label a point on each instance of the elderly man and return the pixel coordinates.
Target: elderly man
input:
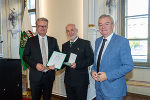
(76, 75)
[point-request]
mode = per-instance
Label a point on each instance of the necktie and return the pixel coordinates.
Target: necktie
(44, 57)
(100, 54)
(71, 44)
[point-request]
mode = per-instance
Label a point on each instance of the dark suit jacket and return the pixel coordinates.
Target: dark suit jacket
(83, 50)
(32, 55)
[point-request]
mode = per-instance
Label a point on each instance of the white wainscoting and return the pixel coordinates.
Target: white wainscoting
(139, 81)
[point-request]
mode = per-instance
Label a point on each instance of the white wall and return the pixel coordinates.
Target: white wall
(60, 13)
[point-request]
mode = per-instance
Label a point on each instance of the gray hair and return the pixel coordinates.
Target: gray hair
(71, 25)
(105, 15)
(42, 19)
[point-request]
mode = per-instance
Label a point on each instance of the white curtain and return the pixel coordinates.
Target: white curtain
(11, 15)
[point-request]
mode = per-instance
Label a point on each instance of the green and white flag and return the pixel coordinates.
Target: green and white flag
(26, 33)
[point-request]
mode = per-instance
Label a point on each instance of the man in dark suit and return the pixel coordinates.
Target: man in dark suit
(76, 76)
(112, 63)
(37, 51)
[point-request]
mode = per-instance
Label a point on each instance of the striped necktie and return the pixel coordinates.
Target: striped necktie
(100, 54)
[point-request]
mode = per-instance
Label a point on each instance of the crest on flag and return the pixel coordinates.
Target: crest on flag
(24, 37)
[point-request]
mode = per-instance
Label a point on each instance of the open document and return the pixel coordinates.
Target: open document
(56, 59)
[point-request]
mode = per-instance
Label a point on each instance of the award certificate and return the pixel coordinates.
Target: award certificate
(56, 59)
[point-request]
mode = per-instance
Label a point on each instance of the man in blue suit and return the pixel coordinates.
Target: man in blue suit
(112, 63)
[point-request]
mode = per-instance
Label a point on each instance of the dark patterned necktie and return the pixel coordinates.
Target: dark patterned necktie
(71, 44)
(100, 54)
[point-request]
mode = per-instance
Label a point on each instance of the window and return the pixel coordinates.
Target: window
(32, 11)
(136, 22)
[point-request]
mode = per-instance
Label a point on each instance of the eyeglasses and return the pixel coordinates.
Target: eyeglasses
(106, 24)
(40, 26)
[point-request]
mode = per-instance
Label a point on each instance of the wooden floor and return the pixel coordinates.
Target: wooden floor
(130, 96)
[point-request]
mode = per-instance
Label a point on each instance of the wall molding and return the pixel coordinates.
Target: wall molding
(138, 83)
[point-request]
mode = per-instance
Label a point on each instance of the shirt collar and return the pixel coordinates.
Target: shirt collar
(75, 39)
(109, 37)
(40, 37)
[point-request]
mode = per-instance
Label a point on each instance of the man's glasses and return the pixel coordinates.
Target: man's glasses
(106, 24)
(42, 26)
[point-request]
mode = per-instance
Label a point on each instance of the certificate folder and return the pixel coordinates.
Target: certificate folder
(56, 60)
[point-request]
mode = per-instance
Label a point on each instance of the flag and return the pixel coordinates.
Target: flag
(26, 33)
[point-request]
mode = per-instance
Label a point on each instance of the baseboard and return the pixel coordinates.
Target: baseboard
(139, 87)
(59, 97)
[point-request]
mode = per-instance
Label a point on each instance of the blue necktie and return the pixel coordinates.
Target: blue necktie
(100, 54)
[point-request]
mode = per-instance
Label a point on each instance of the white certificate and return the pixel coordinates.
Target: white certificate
(72, 58)
(56, 59)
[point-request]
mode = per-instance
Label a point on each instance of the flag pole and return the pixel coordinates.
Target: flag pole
(26, 26)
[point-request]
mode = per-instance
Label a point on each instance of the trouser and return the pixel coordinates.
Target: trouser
(76, 92)
(43, 87)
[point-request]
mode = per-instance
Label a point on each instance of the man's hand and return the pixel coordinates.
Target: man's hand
(94, 75)
(73, 65)
(40, 67)
(101, 76)
(50, 67)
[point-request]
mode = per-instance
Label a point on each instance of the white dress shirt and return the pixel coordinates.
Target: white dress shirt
(106, 44)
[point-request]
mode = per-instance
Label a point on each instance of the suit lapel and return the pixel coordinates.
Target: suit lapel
(74, 45)
(38, 46)
(98, 44)
(110, 46)
(68, 45)
(50, 46)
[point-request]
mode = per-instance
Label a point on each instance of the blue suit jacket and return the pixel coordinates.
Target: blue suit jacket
(116, 63)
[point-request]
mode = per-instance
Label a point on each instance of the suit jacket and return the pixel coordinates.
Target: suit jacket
(32, 55)
(85, 57)
(116, 63)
